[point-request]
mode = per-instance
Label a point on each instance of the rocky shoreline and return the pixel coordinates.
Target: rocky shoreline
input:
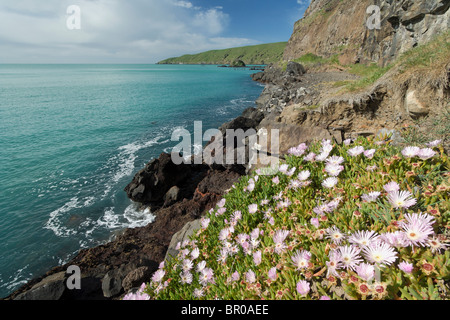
(177, 195)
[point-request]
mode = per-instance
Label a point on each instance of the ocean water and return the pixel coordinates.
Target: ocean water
(73, 136)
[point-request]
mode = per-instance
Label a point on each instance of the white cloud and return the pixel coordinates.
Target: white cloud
(184, 4)
(111, 31)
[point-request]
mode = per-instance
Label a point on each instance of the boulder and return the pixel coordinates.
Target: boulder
(152, 183)
(172, 196)
(295, 69)
(50, 288)
(136, 278)
(179, 237)
(414, 106)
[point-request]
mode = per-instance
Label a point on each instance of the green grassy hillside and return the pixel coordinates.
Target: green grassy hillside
(259, 54)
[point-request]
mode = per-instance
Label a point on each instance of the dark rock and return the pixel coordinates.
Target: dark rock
(172, 196)
(50, 288)
(254, 114)
(239, 123)
(238, 64)
(151, 183)
(295, 69)
(112, 284)
(136, 278)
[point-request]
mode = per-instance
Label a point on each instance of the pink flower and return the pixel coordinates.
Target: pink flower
(158, 275)
(257, 258)
(315, 222)
(325, 298)
(380, 253)
(279, 238)
(401, 199)
(335, 160)
(303, 287)
(434, 143)
(335, 235)
(417, 228)
(363, 238)
(371, 197)
(304, 175)
(426, 154)
(301, 259)
(250, 276)
(391, 187)
(235, 276)
(310, 157)
(206, 276)
(276, 180)
(252, 208)
(395, 239)
(356, 151)
(365, 271)
(369, 153)
(410, 152)
(350, 257)
(272, 274)
(334, 170)
(330, 183)
(406, 267)
(221, 203)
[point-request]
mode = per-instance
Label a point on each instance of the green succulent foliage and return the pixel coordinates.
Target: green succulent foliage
(282, 206)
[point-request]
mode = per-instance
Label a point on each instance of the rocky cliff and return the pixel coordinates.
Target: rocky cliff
(349, 29)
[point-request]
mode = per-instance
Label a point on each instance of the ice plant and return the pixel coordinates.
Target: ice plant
(350, 257)
(356, 151)
(330, 183)
(297, 239)
(335, 235)
(380, 253)
(434, 143)
(333, 169)
(158, 275)
(426, 154)
(417, 228)
(363, 238)
(304, 175)
(301, 259)
(406, 267)
(365, 271)
(272, 274)
(371, 197)
(401, 199)
(410, 152)
(252, 208)
(278, 239)
(391, 187)
(250, 276)
(303, 287)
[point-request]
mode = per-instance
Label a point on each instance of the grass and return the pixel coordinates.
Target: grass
(251, 55)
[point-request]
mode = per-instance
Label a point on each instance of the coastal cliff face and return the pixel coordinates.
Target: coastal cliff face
(332, 27)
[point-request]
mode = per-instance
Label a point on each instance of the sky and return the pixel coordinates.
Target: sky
(137, 31)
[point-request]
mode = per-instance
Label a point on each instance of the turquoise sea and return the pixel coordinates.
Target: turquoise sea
(73, 136)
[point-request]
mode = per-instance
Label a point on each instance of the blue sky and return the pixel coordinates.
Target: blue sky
(138, 31)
